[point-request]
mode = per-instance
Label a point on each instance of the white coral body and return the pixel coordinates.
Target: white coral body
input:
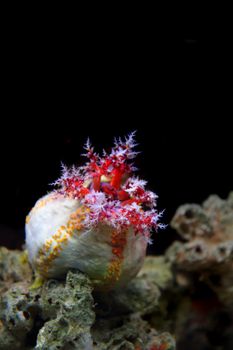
(57, 241)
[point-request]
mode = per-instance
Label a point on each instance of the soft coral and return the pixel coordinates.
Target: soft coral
(105, 187)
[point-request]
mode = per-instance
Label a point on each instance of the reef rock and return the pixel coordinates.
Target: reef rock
(208, 248)
(69, 315)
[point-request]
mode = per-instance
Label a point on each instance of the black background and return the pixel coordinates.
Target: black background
(59, 87)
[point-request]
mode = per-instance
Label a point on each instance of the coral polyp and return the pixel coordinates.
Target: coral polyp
(98, 219)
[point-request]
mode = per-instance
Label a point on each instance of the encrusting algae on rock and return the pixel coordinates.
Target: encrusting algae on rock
(68, 314)
(98, 221)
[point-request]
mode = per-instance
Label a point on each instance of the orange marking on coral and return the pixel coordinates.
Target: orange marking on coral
(117, 252)
(77, 218)
(118, 241)
(53, 246)
(40, 204)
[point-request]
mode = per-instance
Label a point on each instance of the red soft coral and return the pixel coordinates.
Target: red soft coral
(107, 187)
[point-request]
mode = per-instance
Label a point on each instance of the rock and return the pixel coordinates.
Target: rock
(14, 267)
(142, 294)
(57, 315)
(68, 315)
(208, 250)
(133, 334)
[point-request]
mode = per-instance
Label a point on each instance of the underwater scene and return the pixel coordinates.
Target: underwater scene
(116, 179)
